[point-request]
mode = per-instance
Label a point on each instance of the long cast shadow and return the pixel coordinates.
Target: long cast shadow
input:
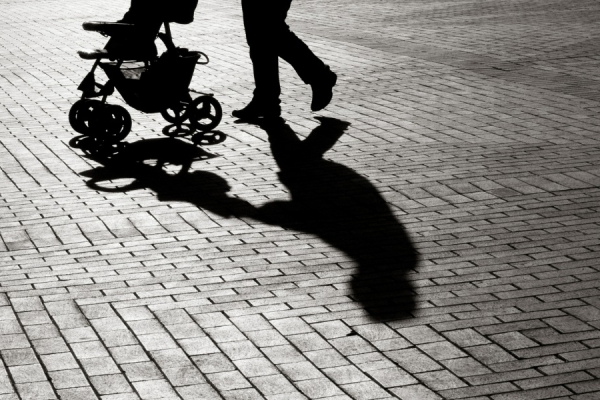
(345, 210)
(328, 200)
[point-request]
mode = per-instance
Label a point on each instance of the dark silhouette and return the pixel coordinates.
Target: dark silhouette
(328, 200)
(147, 82)
(343, 208)
(270, 38)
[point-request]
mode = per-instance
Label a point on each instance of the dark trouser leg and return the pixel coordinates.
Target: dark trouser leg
(261, 18)
(269, 38)
(295, 52)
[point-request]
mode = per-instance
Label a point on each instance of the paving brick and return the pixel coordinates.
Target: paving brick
(155, 389)
(217, 362)
(186, 375)
(490, 354)
(413, 360)
(228, 380)
(255, 367)
(420, 334)
(534, 383)
(198, 392)
(298, 371)
(308, 342)
(327, 358)
(365, 390)
(465, 366)
(546, 393)
(68, 378)
(35, 390)
(318, 388)
(274, 385)
(441, 350)
(415, 391)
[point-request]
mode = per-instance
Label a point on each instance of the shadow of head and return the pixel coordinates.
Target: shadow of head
(344, 209)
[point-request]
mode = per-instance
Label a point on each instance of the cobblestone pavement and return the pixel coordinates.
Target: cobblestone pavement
(467, 130)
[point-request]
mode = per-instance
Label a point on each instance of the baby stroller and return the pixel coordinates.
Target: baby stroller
(147, 82)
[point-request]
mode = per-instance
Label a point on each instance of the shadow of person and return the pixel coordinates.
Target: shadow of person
(328, 200)
(345, 210)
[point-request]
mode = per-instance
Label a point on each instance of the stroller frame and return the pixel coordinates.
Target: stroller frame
(152, 84)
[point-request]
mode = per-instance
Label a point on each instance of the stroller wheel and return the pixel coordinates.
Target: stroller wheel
(81, 113)
(205, 113)
(111, 123)
(176, 114)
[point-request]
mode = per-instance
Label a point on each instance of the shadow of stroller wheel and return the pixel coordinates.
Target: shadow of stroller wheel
(205, 113)
(208, 138)
(114, 183)
(78, 142)
(177, 130)
(80, 115)
(95, 148)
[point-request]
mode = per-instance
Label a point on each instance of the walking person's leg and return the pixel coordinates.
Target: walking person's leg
(261, 21)
(269, 37)
(310, 68)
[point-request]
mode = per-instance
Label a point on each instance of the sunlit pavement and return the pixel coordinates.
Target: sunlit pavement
(467, 130)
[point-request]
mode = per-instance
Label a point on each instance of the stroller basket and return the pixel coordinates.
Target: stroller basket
(160, 85)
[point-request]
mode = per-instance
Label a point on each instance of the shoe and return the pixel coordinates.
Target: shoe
(322, 91)
(256, 110)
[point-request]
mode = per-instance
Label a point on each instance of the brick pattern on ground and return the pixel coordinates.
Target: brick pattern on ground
(474, 137)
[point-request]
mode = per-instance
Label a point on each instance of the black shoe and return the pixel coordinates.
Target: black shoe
(256, 110)
(322, 91)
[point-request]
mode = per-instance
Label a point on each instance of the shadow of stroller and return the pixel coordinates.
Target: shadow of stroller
(345, 210)
(141, 165)
(328, 200)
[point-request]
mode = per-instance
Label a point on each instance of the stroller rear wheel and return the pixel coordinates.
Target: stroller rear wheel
(111, 123)
(205, 113)
(80, 115)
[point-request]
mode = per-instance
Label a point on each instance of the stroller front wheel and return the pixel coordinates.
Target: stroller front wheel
(175, 114)
(205, 113)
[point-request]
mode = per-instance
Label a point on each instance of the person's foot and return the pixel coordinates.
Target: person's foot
(257, 110)
(322, 90)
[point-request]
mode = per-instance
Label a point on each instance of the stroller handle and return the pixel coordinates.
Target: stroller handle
(203, 60)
